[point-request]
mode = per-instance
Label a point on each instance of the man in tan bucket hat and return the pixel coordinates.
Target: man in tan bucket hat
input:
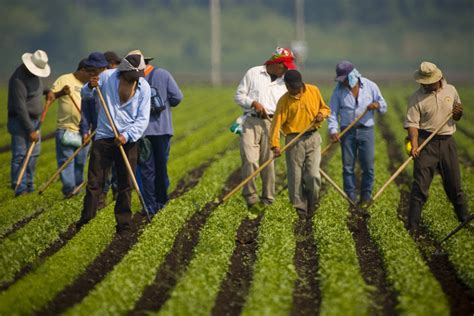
(25, 106)
(428, 107)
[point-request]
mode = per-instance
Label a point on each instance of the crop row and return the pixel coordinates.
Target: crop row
(35, 237)
(213, 138)
(81, 240)
(438, 217)
(418, 291)
(343, 290)
(274, 270)
(122, 287)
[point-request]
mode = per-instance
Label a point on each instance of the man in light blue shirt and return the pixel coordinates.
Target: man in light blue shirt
(127, 96)
(351, 97)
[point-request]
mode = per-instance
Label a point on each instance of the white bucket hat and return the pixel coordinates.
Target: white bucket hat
(37, 63)
(428, 73)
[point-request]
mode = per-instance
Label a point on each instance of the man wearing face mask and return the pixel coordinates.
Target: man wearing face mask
(258, 94)
(351, 97)
(428, 107)
(127, 96)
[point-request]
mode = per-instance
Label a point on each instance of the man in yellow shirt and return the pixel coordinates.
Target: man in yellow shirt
(67, 88)
(300, 107)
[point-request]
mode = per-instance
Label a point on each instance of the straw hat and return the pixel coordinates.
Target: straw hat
(428, 73)
(37, 63)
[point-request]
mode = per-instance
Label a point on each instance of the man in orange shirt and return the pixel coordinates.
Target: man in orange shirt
(300, 107)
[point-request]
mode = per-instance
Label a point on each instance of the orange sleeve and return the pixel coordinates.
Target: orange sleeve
(323, 108)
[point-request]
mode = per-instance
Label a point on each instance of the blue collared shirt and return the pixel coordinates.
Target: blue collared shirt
(345, 108)
(131, 118)
(171, 95)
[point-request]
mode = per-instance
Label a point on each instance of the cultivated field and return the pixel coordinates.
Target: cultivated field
(199, 256)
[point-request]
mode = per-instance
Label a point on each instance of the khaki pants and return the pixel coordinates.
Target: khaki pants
(302, 163)
(254, 151)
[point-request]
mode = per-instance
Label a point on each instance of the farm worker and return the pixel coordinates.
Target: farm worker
(352, 95)
(165, 94)
(258, 94)
(127, 95)
(112, 59)
(95, 64)
(300, 107)
(25, 89)
(428, 107)
(66, 89)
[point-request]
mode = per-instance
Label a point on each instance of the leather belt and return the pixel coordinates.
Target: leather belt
(308, 133)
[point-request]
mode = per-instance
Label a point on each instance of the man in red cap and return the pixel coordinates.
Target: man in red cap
(258, 94)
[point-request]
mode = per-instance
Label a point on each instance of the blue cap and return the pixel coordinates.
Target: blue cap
(96, 60)
(343, 69)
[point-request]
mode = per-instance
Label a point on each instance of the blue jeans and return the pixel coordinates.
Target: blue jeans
(73, 174)
(154, 173)
(20, 144)
(358, 144)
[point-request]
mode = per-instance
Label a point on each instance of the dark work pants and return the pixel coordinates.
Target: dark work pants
(439, 154)
(154, 173)
(103, 153)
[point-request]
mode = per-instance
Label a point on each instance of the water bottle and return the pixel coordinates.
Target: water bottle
(236, 127)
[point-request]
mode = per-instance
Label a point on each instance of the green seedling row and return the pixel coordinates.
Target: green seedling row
(419, 293)
(274, 270)
(197, 289)
(122, 287)
(343, 289)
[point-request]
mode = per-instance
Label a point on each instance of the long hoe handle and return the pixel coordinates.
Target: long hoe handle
(458, 228)
(65, 164)
(338, 189)
(403, 166)
(30, 149)
(124, 155)
(74, 102)
(357, 119)
(264, 165)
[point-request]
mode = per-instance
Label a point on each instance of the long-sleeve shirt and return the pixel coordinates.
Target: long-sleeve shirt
(90, 106)
(89, 113)
(294, 114)
(257, 85)
(427, 110)
(170, 94)
(24, 97)
(130, 118)
(345, 107)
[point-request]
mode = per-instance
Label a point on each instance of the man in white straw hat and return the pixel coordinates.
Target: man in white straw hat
(24, 110)
(428, 107)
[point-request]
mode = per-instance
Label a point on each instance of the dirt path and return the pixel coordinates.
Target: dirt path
(18, 225)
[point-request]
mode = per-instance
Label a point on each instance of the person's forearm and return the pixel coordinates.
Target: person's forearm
(413, 135)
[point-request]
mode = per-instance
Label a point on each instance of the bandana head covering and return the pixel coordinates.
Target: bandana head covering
(352, 78)
(282, 55)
